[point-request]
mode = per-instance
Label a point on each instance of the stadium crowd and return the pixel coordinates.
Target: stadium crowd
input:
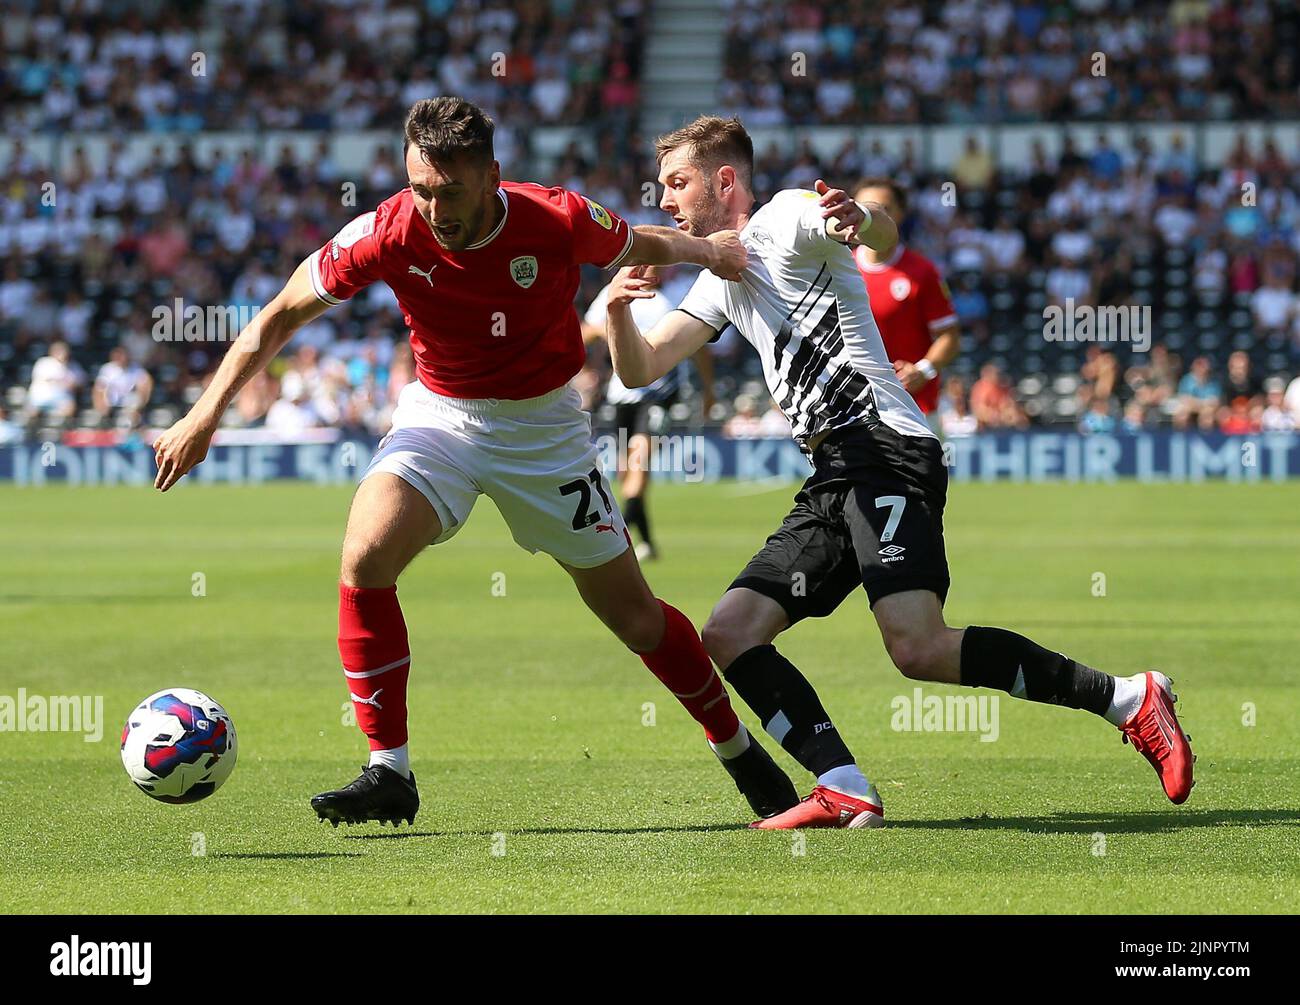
(986, 61)
(1213, 252)
(111, 65)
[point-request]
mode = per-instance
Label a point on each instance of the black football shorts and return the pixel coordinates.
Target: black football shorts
(871, 515)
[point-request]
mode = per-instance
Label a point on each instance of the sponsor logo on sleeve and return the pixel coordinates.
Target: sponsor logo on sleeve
(599, 213)
(352, 232)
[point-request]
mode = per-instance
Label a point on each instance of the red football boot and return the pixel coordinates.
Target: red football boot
(1155, 733)
(827, 808)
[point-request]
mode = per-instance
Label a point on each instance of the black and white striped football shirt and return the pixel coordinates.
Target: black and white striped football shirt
(802, 304)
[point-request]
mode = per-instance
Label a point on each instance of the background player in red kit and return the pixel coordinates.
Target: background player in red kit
(910, 302)
(485, 272)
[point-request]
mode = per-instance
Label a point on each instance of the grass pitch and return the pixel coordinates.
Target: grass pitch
(543, 787)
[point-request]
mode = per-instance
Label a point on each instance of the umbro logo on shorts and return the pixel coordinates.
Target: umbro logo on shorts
(892, 553)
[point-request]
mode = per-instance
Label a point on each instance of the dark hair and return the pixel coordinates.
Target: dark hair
(713, 141)
(446, 128)
(880, 181)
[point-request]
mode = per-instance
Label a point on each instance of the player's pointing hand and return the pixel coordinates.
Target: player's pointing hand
(179, 449)
(835, 202)
(729, 254)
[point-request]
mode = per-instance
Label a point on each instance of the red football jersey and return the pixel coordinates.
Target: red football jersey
(495, 320)
(910, 302)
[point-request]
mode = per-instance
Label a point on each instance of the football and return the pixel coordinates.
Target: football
(178, 745)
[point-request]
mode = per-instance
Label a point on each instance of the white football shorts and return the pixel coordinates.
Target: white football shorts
(534, 458)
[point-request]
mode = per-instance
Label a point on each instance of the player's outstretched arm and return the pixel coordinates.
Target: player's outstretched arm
(856, 223)
(639, 359)
(720, 253)
(186, 443)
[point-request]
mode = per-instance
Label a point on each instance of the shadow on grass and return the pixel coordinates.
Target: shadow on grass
(1067, 823)
(515, 831)
(1087, 823)
(1191, 625)
(285, 854)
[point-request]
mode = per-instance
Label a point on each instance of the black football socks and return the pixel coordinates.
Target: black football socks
(789, 708)
(996, 658)
(634, 514)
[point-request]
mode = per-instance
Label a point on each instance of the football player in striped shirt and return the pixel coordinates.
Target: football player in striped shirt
(871, 514)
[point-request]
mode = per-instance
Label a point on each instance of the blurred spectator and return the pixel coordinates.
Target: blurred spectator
(1238, 418)
(121, 384)
(1099, 418)
(292, 414)
(1240, 381)
(1273, 304)
(955, 419)
(746, 423)
(1199, 395)
(10, 431)
(1153, 384)
(992, 402)
(55, 380)
(974, 169)
(1135, 418)
(1277, 417)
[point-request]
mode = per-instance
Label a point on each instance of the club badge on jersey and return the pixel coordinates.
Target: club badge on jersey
(523, 270)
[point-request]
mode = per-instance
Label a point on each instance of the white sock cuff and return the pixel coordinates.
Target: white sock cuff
(396, 758)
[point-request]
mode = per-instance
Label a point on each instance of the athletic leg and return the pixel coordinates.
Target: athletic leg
(667, 644)
(396, 512)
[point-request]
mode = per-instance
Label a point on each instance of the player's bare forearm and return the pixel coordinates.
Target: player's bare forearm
(258, 344)
(654, 245)
(946, 347)
(851, 222)
(633, 357)
(186, 443)
(879, 232)
(720, 253)
(703, 360)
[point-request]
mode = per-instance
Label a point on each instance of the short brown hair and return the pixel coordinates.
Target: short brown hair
(713, 141)
(446, 128)
(880, 181)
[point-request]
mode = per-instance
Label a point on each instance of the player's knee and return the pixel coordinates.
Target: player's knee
(366, 565)
(725, 636)
(914, 656)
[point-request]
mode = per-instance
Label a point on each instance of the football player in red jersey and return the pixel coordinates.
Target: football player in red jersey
(485, 273)
(910, 302)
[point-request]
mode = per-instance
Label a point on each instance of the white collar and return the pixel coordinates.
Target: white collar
(499, 227)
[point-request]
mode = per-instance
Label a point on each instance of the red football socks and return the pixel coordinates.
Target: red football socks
(376, 660)
(683, 667)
